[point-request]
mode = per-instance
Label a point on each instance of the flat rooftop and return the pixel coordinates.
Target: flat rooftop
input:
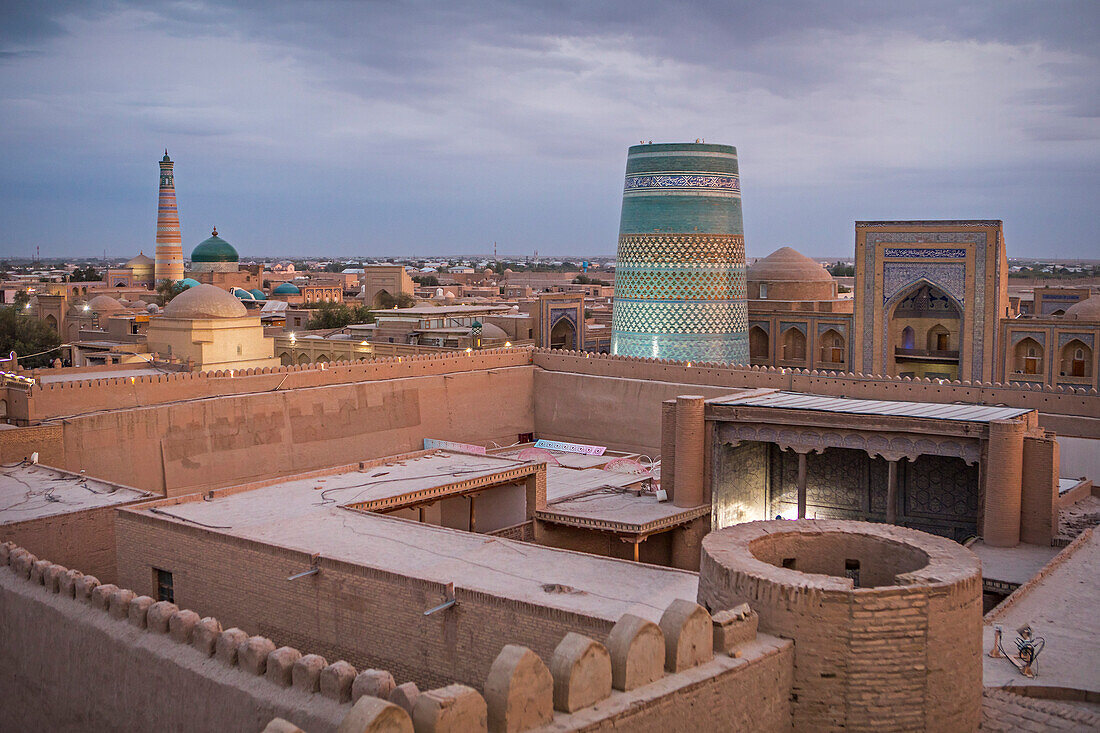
(308, 514)
(140, 370)
(1060, 606)
(34, 491)
(439, 310)
(582, 492)
(565, 458)
(891, 408)
(430, 476)
(615, 509)
(1015, 565)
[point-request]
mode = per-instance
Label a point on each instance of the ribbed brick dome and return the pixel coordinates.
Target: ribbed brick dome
(1085, 310)
(787, 265)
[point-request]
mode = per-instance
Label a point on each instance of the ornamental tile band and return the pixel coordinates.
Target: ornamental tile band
(682, 181)
(938, 253)
(680, 280)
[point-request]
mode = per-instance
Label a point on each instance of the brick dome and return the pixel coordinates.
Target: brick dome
(204, 301)
(1085, 310)
(140, 261)
(787, 265)
(104, 304)
(789, 275)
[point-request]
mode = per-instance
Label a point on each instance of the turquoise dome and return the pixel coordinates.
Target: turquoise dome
(258, 294)
(242, 294)
(214, 249)
(188, 282)
(286, 289)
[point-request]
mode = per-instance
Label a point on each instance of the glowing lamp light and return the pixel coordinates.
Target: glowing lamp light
(507, 344)
(362, 343)
(469, 350)
(87, 307)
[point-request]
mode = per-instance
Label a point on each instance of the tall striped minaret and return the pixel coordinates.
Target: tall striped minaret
(169, 264)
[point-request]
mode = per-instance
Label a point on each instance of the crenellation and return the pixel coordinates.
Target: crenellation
(138, 610)
(118, 602)
(336, 681)
(181, 626)
(100, 596)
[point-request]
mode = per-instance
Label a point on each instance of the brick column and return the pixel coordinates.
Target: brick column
(1003, 482)
(689, 451)
(1039, 494)
(668, 447)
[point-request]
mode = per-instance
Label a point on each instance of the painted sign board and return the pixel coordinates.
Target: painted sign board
(588, 450)
(432, 444)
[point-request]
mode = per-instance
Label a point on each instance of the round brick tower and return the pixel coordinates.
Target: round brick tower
(680, 277)
(169, 263)
(886, 621)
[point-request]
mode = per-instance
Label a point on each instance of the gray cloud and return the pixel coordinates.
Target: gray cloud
(357, 128)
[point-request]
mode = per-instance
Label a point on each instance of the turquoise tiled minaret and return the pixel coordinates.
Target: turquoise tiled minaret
(680, 277)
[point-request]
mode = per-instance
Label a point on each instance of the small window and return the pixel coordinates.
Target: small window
(763, 291)
(165, 591)
(851, 570)
(788, 562)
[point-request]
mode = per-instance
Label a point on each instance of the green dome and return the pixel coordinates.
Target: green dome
(243, 294)
(188, 282)
(214, 249)
(286, 289)
(258, 294)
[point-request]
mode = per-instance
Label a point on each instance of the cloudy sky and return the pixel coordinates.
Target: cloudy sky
(366, 128)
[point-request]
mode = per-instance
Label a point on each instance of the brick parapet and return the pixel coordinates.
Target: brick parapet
(702, 691)
(104, 651)
(47, 400)
(843, 384)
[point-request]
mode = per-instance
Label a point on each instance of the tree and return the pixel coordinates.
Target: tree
(338, 315)
(385, 300)
(586, 280)
(841, 270)
(168, 289)
(426, 281)
(84, 274)
(27, 335)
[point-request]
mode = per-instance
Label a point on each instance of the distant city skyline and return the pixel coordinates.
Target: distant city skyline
(328, 130)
